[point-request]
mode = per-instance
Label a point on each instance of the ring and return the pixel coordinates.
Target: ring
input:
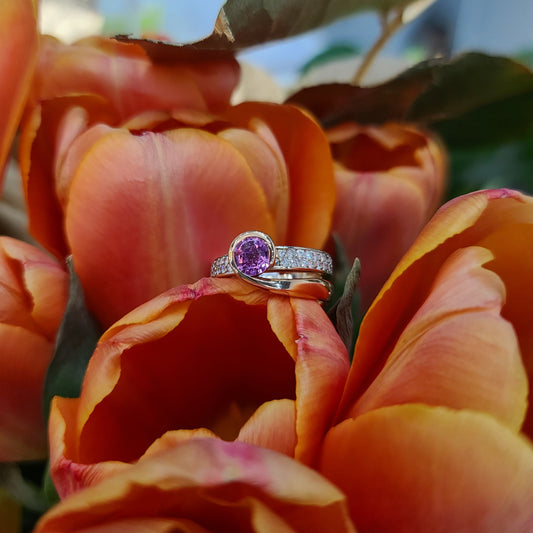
(284, 269)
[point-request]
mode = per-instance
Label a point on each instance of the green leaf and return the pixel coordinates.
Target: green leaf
(20, 489)
(472, 100)
(344, 313)
(49, 489)
(76, 340)
(507, 165)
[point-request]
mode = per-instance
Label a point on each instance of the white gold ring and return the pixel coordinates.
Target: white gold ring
(291, 270)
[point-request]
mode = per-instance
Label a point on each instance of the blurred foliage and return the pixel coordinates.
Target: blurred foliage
(332, 53)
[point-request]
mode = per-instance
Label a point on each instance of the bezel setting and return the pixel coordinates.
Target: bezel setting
(257, 265)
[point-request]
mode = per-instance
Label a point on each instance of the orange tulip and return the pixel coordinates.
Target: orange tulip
(18, 28)
(390, 181)
(206, 485)
(168, 194)
(33, 292)
(218, 358)
(431, 434)
(103, 81)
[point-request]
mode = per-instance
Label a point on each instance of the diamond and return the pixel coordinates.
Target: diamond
(252, 256)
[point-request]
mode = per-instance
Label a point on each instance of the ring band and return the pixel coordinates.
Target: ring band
(286, 269)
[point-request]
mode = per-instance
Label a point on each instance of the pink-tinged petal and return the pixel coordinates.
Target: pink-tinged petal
(270, 370)
(69, 476)
(165, 226)
(322, 365)
(214, 485)
(18, 27)
(415, 468)
(465, 221)
(457, 350)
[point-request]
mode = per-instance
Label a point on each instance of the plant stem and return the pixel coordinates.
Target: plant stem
(388, 28)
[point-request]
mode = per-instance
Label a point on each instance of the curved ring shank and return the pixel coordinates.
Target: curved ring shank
(301, 284)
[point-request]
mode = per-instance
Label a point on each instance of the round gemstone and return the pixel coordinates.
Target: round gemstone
(252, 256)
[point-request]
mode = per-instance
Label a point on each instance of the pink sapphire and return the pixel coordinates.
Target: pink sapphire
(252, 256)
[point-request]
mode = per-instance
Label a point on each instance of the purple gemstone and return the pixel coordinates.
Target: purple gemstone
(252, 256)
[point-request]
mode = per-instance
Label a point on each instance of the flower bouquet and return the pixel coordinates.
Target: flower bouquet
(297, 316)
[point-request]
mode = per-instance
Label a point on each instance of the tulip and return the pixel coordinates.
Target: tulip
(103, 81)
(390, 181)
(433, 429)
(219, 358)
(168, 201)
(18, 28)
(206, 485)
(33, 293)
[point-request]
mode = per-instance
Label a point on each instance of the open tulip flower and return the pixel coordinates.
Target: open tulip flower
(33, 292)
(390, 181)
(206, 485)
(147, 201)
(428, 431)
(217, 358)
(431, 433)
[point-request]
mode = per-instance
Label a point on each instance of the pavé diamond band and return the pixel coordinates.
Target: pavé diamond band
(287, 269)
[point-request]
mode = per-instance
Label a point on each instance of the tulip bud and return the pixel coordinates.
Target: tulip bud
(389, 181)
(33, 294)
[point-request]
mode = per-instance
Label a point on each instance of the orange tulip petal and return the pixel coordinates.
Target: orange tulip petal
(415, 468)
(377, 217)
(39, 131)
(69, 476)
(123, 74)
(309, 165)
(33, 294)
(251, 377)
(321, 369)
(513, 261)
(389, 182)
(268, 167)
(18, 27)
(273, 426)
(171, 225)
(24, 359)
(465, 221)
(43, 282)
(457, 351)
(213, 484)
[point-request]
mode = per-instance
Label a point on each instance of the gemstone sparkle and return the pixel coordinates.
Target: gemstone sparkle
(252, 256)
